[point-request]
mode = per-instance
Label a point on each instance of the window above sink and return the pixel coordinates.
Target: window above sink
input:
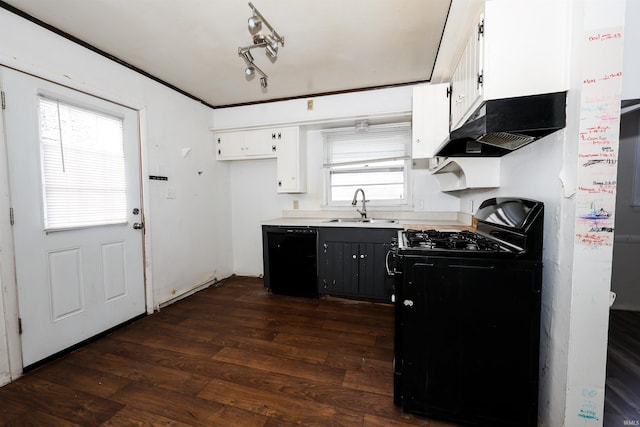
(376, 160)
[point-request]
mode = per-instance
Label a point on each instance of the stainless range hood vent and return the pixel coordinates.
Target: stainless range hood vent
(510, 141)
(501, 126)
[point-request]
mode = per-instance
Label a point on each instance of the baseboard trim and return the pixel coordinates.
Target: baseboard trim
(189, 292)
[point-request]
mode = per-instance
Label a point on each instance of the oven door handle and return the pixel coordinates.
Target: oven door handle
(473, 267)
(386, 263)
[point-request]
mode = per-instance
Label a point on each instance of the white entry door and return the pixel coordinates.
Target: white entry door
(75, 195)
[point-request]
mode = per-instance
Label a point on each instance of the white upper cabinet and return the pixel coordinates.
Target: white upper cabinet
(291, 160)
(246, 144)
(286, 144)
(516, 48)
(430, 119)
(466, 83)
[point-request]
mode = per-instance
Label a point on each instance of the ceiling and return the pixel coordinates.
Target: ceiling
(330, 45)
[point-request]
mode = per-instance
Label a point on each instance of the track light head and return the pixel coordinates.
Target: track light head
(254, 24)
(271, 47)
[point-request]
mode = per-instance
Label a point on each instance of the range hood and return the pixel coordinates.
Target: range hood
(501, 126)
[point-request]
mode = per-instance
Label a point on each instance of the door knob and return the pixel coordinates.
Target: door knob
(138, 226)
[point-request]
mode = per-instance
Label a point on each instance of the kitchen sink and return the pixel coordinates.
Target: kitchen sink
(364, 220)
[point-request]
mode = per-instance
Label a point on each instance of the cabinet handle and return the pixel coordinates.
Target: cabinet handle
(472, 267)
(273, 148)
(273, 135)
(219, 151)
(418, 141)
(279, 183)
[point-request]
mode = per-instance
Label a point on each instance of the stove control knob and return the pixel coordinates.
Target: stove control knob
(408, 303)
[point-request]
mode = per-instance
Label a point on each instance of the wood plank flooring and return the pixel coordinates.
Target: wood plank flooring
(622, 393)
(232, 355)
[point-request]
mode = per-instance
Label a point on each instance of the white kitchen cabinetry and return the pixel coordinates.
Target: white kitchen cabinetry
(517, 48)
(466, 87)
(245, 144)
(285, 144)
(430, 119)
(291, 160)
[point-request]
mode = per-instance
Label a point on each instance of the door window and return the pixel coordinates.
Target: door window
(83, 167)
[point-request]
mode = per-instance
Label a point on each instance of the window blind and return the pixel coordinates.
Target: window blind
(379, 143)
(375, 161)
(83, 173)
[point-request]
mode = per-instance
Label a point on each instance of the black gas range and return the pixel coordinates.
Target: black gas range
(467, 317)
(506, 228)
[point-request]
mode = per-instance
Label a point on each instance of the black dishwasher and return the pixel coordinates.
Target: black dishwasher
(290, 260)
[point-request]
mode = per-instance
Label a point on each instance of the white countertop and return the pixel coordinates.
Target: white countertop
(403, 220)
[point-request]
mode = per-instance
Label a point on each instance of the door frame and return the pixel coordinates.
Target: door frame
(9, 298)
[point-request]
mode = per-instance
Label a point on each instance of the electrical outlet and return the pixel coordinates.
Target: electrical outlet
(295, 204)
(171, 193)
(310, 104)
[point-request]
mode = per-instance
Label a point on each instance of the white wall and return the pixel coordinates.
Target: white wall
(187, 237)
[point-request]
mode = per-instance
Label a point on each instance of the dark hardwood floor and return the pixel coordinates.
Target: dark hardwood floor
(622, 393)
(232, 355)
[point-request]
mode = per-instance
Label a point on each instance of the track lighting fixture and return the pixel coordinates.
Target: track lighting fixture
(269, 42)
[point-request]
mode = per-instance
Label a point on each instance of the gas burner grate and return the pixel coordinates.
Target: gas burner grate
(450, 240)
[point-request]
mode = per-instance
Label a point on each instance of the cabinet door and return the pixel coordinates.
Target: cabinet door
(518, 61)
(229, 145)
(247, 144)
(257, 143)
(373, 282)
(430, 119)
(339, 268)
(291, 160)
(466, 83)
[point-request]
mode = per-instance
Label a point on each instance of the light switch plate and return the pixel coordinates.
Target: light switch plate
(171, 192)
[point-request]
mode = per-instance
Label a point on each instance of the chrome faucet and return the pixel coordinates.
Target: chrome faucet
(354, 202)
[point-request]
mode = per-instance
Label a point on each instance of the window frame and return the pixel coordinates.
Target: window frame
(405, 202)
